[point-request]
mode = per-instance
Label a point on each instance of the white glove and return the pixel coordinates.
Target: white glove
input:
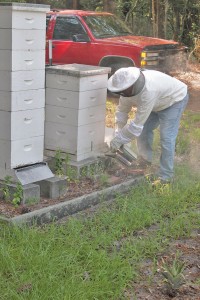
(115, 144)
(118, 127)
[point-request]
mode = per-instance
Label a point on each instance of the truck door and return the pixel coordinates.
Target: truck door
(64, 49)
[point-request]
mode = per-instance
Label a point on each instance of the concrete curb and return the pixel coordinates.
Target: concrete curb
(69, 207)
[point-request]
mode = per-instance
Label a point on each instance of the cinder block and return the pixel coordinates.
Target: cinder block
(54, 187)
(30, 193)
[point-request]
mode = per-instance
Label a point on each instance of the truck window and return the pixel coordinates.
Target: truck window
(103, 26)
(66, 27)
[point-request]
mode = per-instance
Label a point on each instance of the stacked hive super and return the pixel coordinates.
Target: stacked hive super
(75, 109)
(22, 83)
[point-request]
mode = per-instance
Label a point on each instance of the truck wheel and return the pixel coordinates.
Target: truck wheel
(115, 67)
(116, 62)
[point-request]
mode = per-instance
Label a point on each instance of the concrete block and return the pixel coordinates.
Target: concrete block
(54, 187)
(30, 192)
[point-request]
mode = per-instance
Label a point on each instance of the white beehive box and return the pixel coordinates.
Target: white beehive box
(76, 109)
(76, 77)
(21, 124)
(75, 99)
(21, 15)
(76, 117)
(22, 80)
(22, 100)
(82, 142)
(18, 153)
(22, 93)
(22, 39)
(22, 60)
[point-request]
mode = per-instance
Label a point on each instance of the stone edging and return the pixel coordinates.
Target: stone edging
(69, 207)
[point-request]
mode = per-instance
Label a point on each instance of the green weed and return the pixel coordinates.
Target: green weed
(5, 188)
(173, 275)
(18, 194)
(95, 257)
(58, 163)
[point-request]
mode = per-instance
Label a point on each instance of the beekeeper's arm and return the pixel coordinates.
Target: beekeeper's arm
(134, 129)
(122, 111)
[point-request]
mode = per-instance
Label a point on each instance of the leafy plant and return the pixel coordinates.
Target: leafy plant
(70, 171)
(182, 143)
(17, 197)
(173, 275)
(103, 179)
(5, 188)
(58, 163)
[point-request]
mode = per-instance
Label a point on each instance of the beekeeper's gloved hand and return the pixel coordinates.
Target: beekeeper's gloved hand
(118, 127)
(115, 144)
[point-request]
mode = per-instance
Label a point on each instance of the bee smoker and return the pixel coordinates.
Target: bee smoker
(125, 155)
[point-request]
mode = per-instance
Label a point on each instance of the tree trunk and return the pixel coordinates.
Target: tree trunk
(75, 4)
(158, 16)
(154, 17)
(165, 20)
(108, 5)
(177, 23)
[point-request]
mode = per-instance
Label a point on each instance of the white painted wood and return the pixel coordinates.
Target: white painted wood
(76, 117)
(22, 60)
(18, 39)
(18, 153)
(71, 83)
(21, 124)
(74, 99)
(22, 80)
(22, 100)
(22, 19)
(74, 140)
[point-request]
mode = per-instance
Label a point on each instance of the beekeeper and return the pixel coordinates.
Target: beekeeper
(160, 101)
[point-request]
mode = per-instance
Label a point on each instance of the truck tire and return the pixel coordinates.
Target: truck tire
(116, 62)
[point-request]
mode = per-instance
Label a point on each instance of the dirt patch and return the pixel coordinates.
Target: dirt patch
(114, 174)
(192, 79)
(151, 285)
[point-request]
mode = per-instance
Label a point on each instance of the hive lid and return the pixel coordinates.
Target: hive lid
(77, 70)
(33, 173)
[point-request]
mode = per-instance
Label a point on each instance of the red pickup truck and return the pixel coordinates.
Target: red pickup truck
(100, 38)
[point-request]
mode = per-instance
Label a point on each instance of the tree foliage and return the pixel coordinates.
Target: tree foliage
(170, 19)
(178, 20)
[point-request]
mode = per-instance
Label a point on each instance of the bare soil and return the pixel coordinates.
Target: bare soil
(113, 174)
(151, 285)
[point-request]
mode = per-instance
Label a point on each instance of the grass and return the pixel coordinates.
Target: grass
(97, 257)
